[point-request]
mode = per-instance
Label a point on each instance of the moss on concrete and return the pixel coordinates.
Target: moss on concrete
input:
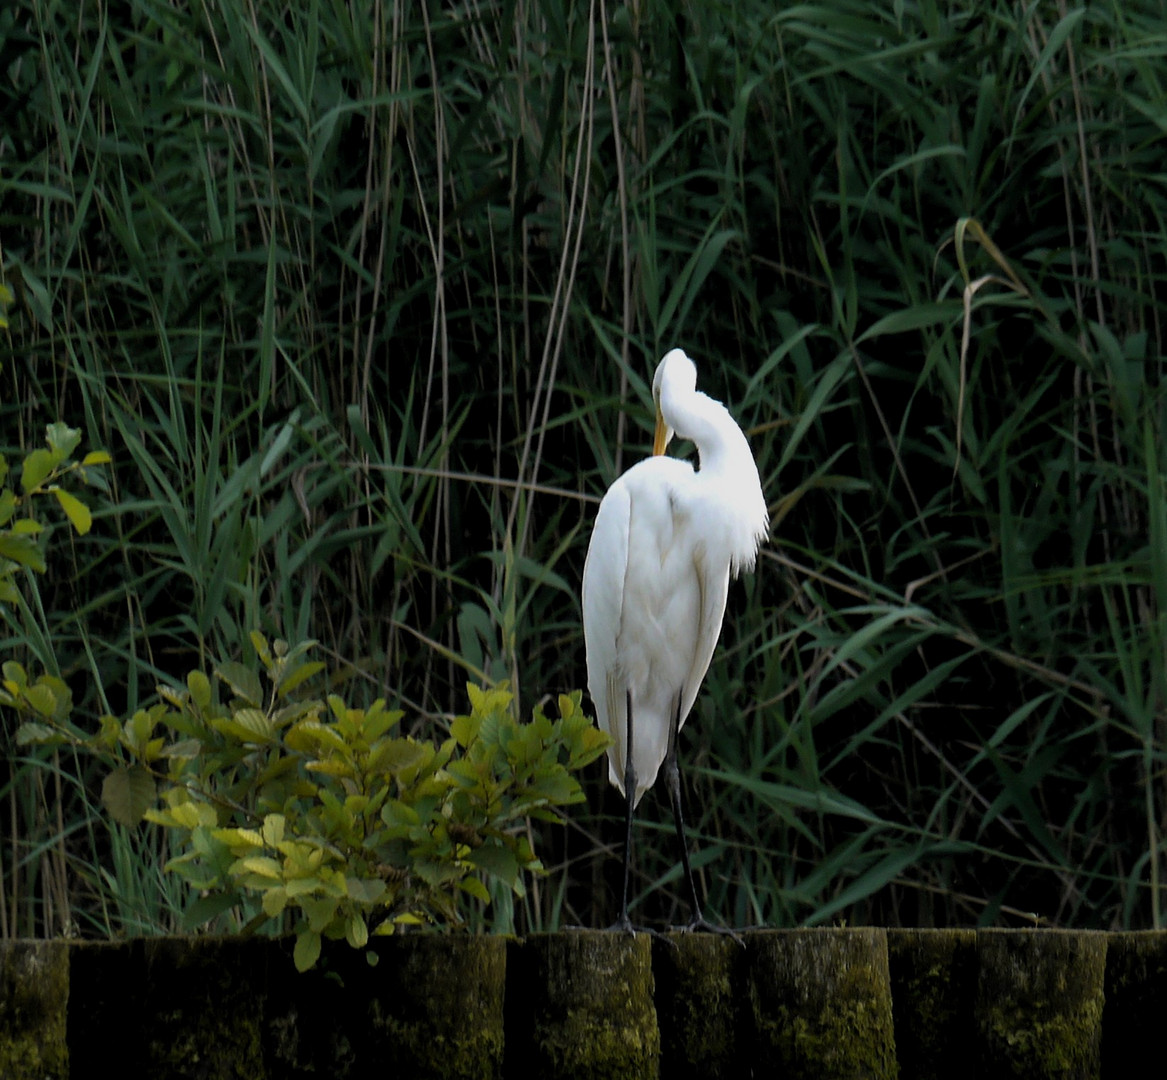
(933, 987)
(580, 1006)
(438, 1007)
(207, 1015)
(220, 1009)
(34, 995)
(810, 1003)
(177, 1008)
(1040, 997)
(698, 979)
(412, 1005)
(821, 1004)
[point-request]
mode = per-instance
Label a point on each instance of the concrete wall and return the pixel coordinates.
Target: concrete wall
(829, 1003)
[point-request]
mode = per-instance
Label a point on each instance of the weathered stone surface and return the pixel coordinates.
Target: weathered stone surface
(698, 988)
(933, 987)
(438, 1008)
(1039, 1003)
(431, 1007)
(423, 1006)
(580, 1006)
(802, 1003)
(34, 996)
(169, 1008)
(821, 1004)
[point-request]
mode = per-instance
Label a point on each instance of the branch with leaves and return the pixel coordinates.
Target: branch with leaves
(297, 808)
(42, 473)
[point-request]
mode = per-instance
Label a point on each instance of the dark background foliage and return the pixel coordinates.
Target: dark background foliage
(364, 301)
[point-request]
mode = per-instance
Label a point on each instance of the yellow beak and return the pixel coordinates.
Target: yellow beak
(660, 436)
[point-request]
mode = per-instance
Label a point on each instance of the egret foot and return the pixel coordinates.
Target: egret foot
(701, 925)
(625, 925)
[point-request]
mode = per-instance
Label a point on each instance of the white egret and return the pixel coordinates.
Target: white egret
(666, 541)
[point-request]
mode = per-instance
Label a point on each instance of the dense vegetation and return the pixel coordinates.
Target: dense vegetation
(363, 300)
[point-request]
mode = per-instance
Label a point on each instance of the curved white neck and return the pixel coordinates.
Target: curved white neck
(708, 424)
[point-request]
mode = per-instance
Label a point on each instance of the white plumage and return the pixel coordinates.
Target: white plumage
(667, 539)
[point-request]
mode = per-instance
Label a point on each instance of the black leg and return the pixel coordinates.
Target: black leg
(673, 779)
(624, 922)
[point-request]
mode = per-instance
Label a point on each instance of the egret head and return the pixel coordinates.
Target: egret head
(675, 372)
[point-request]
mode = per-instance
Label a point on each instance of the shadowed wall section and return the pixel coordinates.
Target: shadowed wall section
(824, 1003)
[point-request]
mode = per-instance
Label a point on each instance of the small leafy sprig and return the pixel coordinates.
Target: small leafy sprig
(45, 702)
(42, 473)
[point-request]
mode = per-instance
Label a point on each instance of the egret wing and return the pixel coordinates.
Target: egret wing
(604, 575)
(712, 576)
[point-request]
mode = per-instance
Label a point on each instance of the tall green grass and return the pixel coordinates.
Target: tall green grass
(365, 300)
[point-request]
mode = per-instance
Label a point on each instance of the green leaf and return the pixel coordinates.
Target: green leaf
(240, 841)
(62, 440)
(333, 767)
(77, 512)
(273, 829)
(22, 549)
(262, 865)
(186, 815)
(396, 755)
(473, 887)
(200, 688)
(357, 932)
(184, 748)
(244, 682)
(206, 908)
(289, 680)
(127, 793)
(139, 729)
(320, 911)
(378, 721)
(496, 860)
(97, 457)
(30, 733)
(37, 466)
(247, 725)
(400, 815)
(307, 950)
(365, 890)
(311, 736)
(274, 901)
(41, 698)
(464, 729)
